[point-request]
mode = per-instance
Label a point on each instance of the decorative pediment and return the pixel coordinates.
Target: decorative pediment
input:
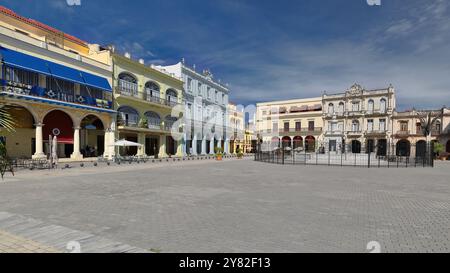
(355, 90)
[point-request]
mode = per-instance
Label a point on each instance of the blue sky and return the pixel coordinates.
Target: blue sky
(271, 50)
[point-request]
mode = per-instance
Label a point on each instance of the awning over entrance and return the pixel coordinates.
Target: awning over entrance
(38, 65)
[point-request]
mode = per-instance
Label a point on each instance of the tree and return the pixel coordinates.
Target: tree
(6, 120)
(427, 120)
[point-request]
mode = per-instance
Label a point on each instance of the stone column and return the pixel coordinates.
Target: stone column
(162, 146)
(194, 145)
(227, 146)
(76, 145)
(180, 146)
(219, 143)
(39, 143)
(203, 146)
(211, 146)
(184, 148)
(141, 140)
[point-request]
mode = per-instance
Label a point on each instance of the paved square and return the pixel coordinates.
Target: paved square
(242, 206)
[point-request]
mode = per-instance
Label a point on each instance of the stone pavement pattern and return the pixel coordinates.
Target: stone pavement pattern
(242, 206)
(10, 243)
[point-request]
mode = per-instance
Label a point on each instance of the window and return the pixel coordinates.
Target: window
(298, 126)
(437, 127)
(20, 76)
(311, 125)
(217, 96)
(383, 105)
(286, 126)
(60, 86)
(275, 127)
(370, 106)
(209, 93)
(152, 90)
(382, 125)
(199, 90)
(355, 126)
(355, 106)
(418, 128)
(331, 109)
(341, 108)
(91, 92)
(189, 85)
(404, 126)
(153, 120)
(128, 84)
(370, 125)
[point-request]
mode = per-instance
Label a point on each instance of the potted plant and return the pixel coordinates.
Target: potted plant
(143, 123)
(240, 154)
(219, 153)
(439, 151)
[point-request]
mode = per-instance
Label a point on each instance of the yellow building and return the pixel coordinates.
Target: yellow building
(294, 123)
(409, 138)
(236, 128)
(149, 104)
(54, 84)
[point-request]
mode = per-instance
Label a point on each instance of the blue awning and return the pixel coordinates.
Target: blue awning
(38, 65)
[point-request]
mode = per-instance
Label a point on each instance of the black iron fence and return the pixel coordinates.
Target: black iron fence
(368, 160)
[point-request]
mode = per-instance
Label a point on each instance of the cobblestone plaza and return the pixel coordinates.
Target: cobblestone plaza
(229, 206)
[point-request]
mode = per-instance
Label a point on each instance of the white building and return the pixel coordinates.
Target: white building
(205, 117)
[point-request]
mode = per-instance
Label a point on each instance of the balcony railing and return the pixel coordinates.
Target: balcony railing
(403, 132)
(300, 130)
(149, 97)
(40, 92)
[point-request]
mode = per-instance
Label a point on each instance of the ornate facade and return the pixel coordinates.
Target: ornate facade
(358, 120)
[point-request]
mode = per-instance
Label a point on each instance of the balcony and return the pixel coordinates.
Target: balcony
(134, 125)
(376, 132)
(334, 133)
(148, 97)
(315, 130)
(29, 92)
(403, 133)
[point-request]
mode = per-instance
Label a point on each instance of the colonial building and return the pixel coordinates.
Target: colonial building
(149, 101)
(236, 123)
(292, 123)
(409, 137)
(206, 103)
(358, 120)
(54, 84)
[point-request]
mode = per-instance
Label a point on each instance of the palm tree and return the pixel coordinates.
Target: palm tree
(6, 120)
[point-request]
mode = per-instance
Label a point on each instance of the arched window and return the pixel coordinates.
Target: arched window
(370, 106)
(171, 97)
(383, 106)
(437, 127)
(127, 116)
(169, 122)
(355, 126)
(153, 120)
(128, 84)
(152, 92)
(331, 109)
(341, 108)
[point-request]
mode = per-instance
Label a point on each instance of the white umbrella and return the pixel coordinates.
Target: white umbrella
(126, 143)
